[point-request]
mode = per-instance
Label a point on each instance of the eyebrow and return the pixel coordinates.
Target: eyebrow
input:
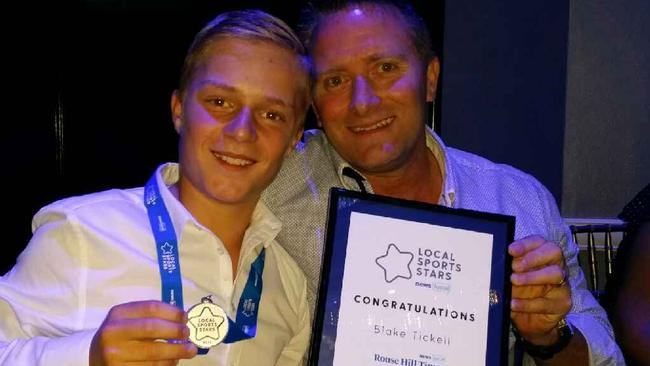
(232, 89)
(373, 57)
(217, 84)
(378, 56)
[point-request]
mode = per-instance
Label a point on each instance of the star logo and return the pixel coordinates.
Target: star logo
(166, 248)
(203, 330)
(249, 308)
(395, 263)
(150, 196)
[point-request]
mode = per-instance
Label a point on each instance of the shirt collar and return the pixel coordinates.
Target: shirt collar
(263, 228)
(340, 164)
(437, 148)
(441, 153)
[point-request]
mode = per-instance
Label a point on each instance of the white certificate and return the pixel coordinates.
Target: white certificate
(408, 285)
(404, 289)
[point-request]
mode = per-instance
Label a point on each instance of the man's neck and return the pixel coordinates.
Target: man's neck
(227, 222)
(420, 179)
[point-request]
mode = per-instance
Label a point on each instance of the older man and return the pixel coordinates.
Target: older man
(373, 72)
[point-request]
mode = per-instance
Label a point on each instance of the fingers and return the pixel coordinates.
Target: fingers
(549, 275)
(540, 295)
(147, 309)
(145, 328)
(145, 320)
(546, 254)
(155, 351)
(535, 317)
(107, 351)
(132, 332)
(530, 292)
(559, 305)
(525, 245)
(157, 363)
(536, 261)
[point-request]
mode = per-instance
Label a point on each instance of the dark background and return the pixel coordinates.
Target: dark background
(87, 88)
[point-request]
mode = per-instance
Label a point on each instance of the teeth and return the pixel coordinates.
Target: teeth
(382, 123)
(234, 161)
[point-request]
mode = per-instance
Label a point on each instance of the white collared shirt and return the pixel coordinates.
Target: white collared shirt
(92, 252)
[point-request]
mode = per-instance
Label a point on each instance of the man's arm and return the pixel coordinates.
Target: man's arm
(18, 348)
(39, 300)
(127, 335)
(71, 350)
(43, 303)
(541, 298)
(586, 316)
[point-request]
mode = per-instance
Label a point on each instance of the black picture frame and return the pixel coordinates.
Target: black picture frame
(343, 203)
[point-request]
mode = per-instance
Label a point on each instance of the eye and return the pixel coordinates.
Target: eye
(387, 67)
(333, 82)
(218, 102)
(273, 116)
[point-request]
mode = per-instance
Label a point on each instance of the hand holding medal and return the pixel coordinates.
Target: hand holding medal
(129, 333)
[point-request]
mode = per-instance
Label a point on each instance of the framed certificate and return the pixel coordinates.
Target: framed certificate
(412, 284)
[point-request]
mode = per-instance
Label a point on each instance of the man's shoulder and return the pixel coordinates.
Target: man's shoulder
(483, 185)
(306, 169)
(101, 203)
(314, 144)
(95, 200)
(471, 165)
(486, 185)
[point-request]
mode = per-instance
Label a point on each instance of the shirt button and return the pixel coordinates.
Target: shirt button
(220, 251)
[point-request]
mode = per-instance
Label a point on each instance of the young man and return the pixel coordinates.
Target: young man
(373, 71)
(87, 289)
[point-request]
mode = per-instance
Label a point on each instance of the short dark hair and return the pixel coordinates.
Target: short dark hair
(316, 10)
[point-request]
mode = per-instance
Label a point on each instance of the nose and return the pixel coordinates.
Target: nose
(242, 126)
(363, 96)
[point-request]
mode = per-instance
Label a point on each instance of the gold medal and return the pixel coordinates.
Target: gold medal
(208, 323)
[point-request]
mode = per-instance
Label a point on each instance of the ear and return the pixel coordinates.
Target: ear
(177, 110)
(318, 122)
(433, 71)
(297, 137)
(294, 141)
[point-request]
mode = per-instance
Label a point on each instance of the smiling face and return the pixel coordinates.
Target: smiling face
(239, 115)
(371, 87)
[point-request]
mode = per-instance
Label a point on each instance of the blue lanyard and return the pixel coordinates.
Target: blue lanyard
(245, 326)
(166, 244)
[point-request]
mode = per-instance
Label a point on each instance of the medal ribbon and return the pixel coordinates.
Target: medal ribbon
(166, 245)
(245, 326)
